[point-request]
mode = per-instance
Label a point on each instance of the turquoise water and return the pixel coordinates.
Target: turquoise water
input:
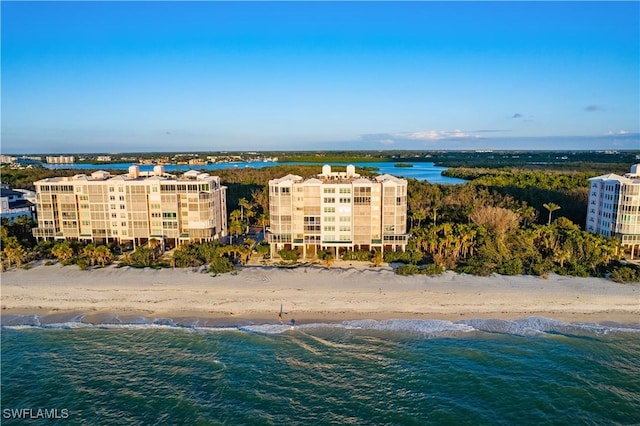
(401, 372)
(420, 171)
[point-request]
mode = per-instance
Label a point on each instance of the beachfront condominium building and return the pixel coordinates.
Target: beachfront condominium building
(337, 210)
(132, 208)
(15, 203)
(614, 207)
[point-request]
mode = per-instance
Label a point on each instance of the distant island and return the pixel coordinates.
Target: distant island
(403, 165)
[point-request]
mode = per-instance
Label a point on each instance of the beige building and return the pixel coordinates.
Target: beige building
(133, 207)
(614, 207)
(61, 159)
(337, 210)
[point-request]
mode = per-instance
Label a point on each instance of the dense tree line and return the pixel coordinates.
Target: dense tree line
(480, 228)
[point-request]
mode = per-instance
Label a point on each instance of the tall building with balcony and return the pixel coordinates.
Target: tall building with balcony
(614, 207)
(337, 210)
(133, 207)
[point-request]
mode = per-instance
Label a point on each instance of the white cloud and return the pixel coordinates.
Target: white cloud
(431, 135)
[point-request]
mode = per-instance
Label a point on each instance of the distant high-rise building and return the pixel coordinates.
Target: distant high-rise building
(614, 207)
(60, 159)
(133, 207)
(337, 210)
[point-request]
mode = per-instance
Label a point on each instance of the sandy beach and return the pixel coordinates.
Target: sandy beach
(255, 294)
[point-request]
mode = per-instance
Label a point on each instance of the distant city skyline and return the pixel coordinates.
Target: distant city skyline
(85, 77)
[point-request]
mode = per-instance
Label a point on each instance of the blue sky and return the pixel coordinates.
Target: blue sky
(172, 76)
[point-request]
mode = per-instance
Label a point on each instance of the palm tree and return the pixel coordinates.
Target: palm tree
(9, 254)
(378, 258)
(90, 252)
(235, 227)
(154, 245)
(103, 255)
(263, 220)
(552, 207)
(62, 251)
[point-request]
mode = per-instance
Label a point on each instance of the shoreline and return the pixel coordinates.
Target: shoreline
(315, 294)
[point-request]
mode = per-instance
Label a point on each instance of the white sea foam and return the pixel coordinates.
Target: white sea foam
(431, 328)
(267, 328)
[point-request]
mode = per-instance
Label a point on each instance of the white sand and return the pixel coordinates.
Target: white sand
(312, 293)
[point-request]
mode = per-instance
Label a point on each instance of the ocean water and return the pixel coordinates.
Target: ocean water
(396, 372)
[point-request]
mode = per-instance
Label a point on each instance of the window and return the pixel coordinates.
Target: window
(345, 190)
(329, 209)
(329, 200)
(329, 190)
(329, 228)
(345, 200)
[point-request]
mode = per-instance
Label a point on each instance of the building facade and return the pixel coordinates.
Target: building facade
(15, 203)
(61, 159)
(337, 210)
(614, 207)
(133, 207)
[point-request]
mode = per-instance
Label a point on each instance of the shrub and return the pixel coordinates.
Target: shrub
(413, 257)
(82, 263)
(432, 269)
(262, 249)
(512, 266)
(407, 270)
(221, 265)
(625, 274)
(290, 255)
